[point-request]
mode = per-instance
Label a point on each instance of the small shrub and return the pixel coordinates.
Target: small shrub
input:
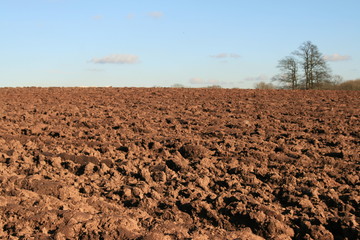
(178, 85)
(214, 86)
(264, 85)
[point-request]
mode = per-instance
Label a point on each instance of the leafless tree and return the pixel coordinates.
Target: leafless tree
(289, 72)
(314, 65)
(306, 68)
(337, 79)
(177, 85)
(264, 85)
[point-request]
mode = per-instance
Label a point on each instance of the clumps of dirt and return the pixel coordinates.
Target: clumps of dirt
(193, 151)
(133, 163)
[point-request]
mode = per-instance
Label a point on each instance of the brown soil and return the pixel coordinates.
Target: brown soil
(133, 163)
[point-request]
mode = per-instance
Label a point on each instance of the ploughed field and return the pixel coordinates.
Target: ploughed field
(162, 163)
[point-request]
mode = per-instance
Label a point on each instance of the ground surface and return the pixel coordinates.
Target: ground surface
(109, 163)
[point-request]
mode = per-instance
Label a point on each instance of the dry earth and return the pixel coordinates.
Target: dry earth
(136, 163)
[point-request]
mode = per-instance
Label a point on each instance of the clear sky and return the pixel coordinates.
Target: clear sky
(145, 43)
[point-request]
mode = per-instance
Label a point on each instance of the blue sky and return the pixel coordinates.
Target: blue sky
(149, 43)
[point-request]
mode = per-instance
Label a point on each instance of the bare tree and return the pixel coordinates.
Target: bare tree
(314, 65)
(337, 79)
(177, 85)
(264, 85)
(310, 62)
(289, 72)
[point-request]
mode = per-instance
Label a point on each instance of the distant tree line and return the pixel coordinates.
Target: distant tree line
(305, 68)
(335, 85)
(348, 85)
(178, 85)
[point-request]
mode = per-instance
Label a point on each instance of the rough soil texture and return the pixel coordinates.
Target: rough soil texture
(153, 164)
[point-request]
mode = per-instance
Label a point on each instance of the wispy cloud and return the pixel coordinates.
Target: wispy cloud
(97, 17)
(225, 55)
(130, 16)
(336, 57)
(155, 14)
(197, 81)
(51, 1)
(95, 70)
(57, 71)
(261, 77)
(200, 81)
(117, 59)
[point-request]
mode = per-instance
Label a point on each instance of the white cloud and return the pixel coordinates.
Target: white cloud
(117, 59)
(196, 81)
(220, 55)
(97, 17)
(156, 15)
(261, 77)
(234, 55)
(336, 57)
(95, 70)
(54, 1)
(200, 81)
(58, 71)
(130, 16)
(226, 55)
